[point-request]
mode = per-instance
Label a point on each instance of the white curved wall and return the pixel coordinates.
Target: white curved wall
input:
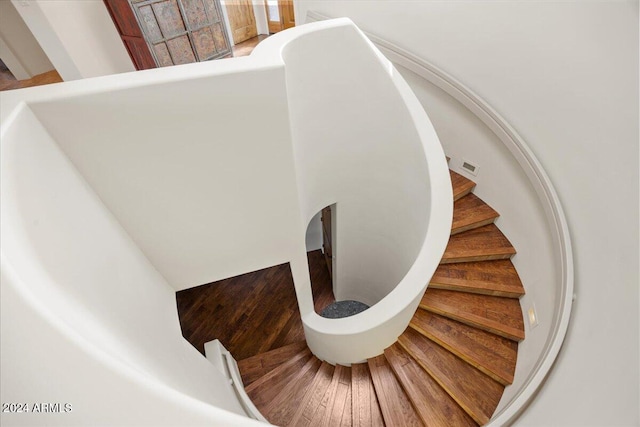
(564, 74)
(199, 172)
(379, 158)
(87, 320)
(358, 148)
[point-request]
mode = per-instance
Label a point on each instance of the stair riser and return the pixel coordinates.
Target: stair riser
(473, 258)
(471, 226)
(478, 291)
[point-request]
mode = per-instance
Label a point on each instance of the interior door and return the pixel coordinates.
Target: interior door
(242, 20)
(279, 15)
(288, 17)
(327, 244)
(130, 33)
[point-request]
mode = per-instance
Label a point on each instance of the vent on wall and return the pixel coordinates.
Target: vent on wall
(470, 167)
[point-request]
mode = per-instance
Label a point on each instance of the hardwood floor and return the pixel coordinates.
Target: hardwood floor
(8, 82)
(246, 47)
(252, 313)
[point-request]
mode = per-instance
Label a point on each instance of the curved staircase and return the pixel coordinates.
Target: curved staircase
(449, 368)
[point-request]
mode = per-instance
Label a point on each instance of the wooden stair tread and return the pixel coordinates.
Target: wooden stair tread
(339, 402)
(256, 366)
(364, 402)
(461, 185)
(313, 400)
(494, 355)
(475, 392)
(432, 403)
(479, 244)
(500, 316)
(471, 212)
(265, 388)
(284, 405)
(394, 404)
(497, 278)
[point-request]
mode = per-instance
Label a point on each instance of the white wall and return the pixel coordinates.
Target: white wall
(78, 36)
(344, 156)
(86, 319)
(203, 194)
(313, 237)
(260, 12)
(565, 75)
(19, 50)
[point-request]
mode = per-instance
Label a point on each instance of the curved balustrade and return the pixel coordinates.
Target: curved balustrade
(362, 141)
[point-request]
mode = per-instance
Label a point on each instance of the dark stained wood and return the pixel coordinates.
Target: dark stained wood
(364, 402)
(285, 404)
(394, 403)
(471, 212)
(327, 244)
(497, 278)
(333, 408)
(320, 281)
(315, 399)
(252, 313)
(480, 244)
(256, 366)
(448, 369)
(461, 185)
(339, 413)
(125, 21)
(492, 354)
(264, 389)
(434, 406)
(475, 392)
(500, 316)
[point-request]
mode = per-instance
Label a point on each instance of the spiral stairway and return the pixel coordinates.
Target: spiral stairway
(449, 368)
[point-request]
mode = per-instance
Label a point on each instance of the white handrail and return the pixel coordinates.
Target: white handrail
(543, 187)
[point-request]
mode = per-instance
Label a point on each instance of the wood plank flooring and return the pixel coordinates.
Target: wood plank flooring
(366, 409)
(394, 403)
(246, 47)
(252, 313)
(49, 77)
